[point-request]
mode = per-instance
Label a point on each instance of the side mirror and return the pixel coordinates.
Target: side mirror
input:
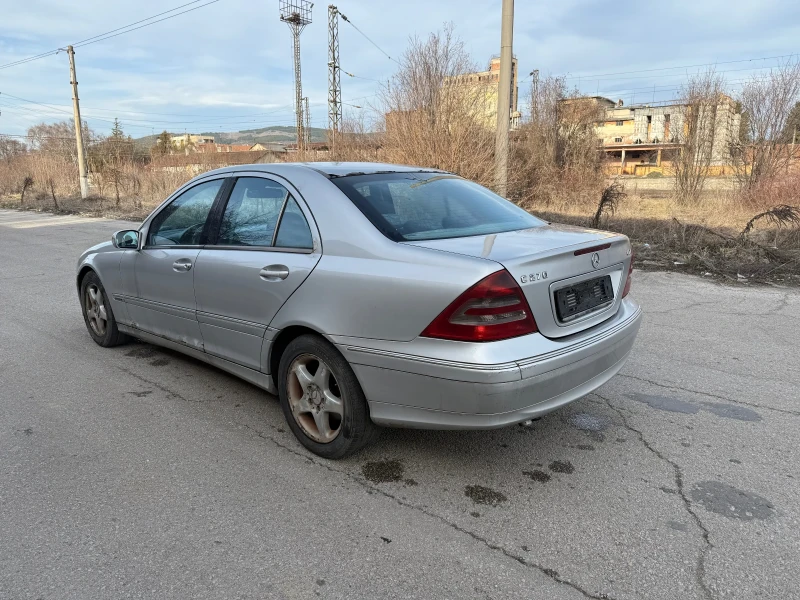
(126, 239)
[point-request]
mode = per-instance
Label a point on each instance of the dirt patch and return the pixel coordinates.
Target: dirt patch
(558, 466)
(538, 475)
(142, 352)
(383, 471)
(484, 495)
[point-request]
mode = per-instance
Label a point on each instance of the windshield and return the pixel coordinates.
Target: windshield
(432, 206)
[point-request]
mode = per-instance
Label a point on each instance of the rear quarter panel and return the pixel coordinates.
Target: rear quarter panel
(366, 285)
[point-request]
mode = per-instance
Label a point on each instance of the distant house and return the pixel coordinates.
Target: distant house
(258, 147)
(188, 139)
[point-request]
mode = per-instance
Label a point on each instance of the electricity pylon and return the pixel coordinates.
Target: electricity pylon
(297, 14)
(334, 78)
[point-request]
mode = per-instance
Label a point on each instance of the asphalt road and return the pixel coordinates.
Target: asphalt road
(138, 473)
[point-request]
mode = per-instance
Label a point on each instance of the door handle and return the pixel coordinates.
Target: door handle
(182, 265)
(274, 272)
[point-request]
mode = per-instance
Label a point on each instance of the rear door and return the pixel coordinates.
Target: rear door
(264, 247)
(163, 299)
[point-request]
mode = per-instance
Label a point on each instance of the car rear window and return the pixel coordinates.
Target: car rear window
(431, 206)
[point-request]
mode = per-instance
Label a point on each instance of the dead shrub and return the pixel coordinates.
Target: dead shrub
(612, 195)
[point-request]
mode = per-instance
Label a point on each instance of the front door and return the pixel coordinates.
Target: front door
(263, 251)
(163, 302)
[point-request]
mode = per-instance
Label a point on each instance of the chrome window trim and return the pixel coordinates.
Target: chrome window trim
(301, 202)
(175, 247)
(144, 228)
(261, 249)
(247, 248)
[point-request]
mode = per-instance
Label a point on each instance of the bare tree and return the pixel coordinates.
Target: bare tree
(58, 139)
(27, 183)
(556, 154)
(435, 113)
(768, 101)
(357, 140)
(9, 148)
(700, 97)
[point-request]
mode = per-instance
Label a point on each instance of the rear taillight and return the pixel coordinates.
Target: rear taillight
(493, 309)
(627, 287)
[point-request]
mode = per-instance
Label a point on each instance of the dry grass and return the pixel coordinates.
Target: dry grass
(48, 182)
(700, 238)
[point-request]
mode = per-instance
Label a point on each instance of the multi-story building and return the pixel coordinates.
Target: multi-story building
(487, 85)
(641, 138)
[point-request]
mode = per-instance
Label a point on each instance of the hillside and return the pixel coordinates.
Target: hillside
(276, 134)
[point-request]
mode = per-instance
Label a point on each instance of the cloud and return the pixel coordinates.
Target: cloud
(230, 64)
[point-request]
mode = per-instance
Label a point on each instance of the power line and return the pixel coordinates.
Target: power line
(207, 120)
(285, 107)
(360, 77)
(346, 20)
(727, 62)
(136, 22)
(200, 125)
(113, 33)
(86, 43)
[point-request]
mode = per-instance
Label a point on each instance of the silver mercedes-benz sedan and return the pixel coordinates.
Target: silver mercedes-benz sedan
(369, 294)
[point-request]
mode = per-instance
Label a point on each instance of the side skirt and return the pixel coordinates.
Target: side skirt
(257, 378)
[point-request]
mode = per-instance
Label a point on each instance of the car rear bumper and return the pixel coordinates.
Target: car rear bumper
(431, 391)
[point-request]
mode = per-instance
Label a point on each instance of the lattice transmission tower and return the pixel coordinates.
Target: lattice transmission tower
(334, 78)
(297, 14)
(307, 113)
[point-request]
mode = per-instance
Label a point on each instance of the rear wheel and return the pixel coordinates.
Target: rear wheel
(97, 313)
(322, 400)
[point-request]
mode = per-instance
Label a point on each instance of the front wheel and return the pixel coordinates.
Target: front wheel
(322, 400)
(97, 313)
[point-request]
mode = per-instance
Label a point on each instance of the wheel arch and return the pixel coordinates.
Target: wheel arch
(84, 270)
(282, 341)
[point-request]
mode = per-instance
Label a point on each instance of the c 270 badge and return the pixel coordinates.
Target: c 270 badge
(533, 277)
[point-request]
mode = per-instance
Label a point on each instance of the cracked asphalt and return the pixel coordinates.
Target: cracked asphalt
(136, 472)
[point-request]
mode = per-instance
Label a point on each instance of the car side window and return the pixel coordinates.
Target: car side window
(252, 212)
(182, 222)
(294, 231)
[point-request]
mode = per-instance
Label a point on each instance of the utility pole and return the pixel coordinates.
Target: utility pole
(504, 99)
(334, 79)
(297, 14)
(535, 96)
(307, 114)
(76, 110)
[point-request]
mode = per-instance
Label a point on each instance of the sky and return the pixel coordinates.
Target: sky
(227, 66)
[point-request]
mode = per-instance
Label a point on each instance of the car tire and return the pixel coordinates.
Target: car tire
(325, 409)
(97, 313)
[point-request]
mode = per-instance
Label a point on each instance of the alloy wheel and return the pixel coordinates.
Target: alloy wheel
(315, 398)
(96, 310)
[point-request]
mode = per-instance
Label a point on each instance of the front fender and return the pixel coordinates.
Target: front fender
(104, 259)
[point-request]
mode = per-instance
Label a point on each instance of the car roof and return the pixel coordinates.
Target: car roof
(328, 169)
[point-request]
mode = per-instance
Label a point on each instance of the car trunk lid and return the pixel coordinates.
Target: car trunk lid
(572, 277)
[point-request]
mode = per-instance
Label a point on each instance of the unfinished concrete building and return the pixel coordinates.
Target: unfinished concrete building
(644, 138)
